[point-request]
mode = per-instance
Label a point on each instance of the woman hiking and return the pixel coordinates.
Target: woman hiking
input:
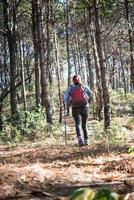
(78, 96)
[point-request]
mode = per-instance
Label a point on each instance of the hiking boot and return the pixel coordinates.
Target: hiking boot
(80, 142)
(85, 142)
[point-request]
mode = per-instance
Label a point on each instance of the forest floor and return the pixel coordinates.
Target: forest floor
(37, 171)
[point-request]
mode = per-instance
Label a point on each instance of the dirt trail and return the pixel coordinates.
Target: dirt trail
(52, 172)
(36, 171)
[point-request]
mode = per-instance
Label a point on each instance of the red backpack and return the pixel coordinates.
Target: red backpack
(78, 96)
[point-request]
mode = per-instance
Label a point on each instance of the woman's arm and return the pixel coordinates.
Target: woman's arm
(67, 94)
(88, 91)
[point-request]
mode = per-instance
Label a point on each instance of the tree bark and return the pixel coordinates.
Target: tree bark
(35, 42)
(23, 75)
(99, 96)
(88, 55)
(123, 72)
(67, 46)
(106, 100)
(44, 79)
(113, 79)
(58, 77)
(11, 37)
(67, 41)
(131, 47)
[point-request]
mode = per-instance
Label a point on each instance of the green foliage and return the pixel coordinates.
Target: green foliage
(22, 125)
(116, 134)
(77, 193)
(30, 126)
(130, 124)
(25, 8)
(55, 129)
(33, 119)
(132, 107)
(10, 134)
(107, 7)
(106, 194)
(131, 150)
(82, 5)
(83, 193)
(130, 101)
(90, 194)
(118, 95)
(121, 94)
(121, 103)
(98, 131)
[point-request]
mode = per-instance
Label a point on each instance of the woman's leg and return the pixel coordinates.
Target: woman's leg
(77, 118)
(85, 114)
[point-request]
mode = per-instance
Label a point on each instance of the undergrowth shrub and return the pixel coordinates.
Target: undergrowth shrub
(130, 98)
(94, 194)
(52, 133)
(30, 126)
(10, 133)
(132, 107)
(121, 94)
(115, 134)
(25, 125)
(131, 150)
(130, 124)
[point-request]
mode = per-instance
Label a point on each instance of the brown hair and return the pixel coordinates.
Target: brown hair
(76, 79)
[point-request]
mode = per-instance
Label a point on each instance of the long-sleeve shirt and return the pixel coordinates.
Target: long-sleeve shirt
(68, 91)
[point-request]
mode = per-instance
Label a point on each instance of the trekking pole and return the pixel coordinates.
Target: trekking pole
(65, 123)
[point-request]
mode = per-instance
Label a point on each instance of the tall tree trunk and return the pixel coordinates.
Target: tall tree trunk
(22, 53)
(35, 42)
(67, 41)
(67, 46)
(131, 42)
(58, 76)
(12, 52)
(74, 58)
(77, 53)
(113, 80)
(5, 70)
(80, 71)
(106, 100)
(99, 98)
(44, 79)
(123, 72)
(88, 55)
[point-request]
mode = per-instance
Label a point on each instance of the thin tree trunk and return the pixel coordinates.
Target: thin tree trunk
(130, 34)
(5, 70)
(77, 54)
(58, 77)
(12, 52)
(106, 100)
(123, 72)
(44, 78)
(35, 42)
(99, 96)
(23, 75)
(74, 58)
(113, 75)
(80, 71)
(67, 47)
(67, 41)
(88, 55)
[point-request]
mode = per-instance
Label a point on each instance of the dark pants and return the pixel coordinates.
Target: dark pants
(80, 116)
